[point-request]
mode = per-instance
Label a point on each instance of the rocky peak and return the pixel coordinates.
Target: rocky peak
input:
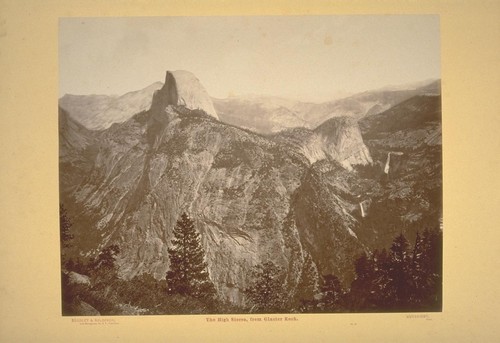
(182, 88)
(340, 139)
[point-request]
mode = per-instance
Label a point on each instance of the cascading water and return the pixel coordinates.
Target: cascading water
(388, 162)
(386, 169)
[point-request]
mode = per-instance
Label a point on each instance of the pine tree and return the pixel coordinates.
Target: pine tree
(419, 276)
(103, 271)
(403, 279)
(332, 293)
(431, 266)
(65, 226)
(363, 287)
(399, 273)
(382, 294)
(307, 287)
(267, 292)
(65, 234)
(364, 267)
(105, 261)
(188, 274)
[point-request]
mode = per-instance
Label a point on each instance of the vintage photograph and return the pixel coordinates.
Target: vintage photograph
(253, 164)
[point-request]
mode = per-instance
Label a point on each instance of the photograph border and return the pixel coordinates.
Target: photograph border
(29, 251)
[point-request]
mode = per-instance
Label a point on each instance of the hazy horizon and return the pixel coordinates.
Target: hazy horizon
(308, 58)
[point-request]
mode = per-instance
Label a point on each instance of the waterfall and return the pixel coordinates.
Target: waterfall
(386, 169)
(364, 206)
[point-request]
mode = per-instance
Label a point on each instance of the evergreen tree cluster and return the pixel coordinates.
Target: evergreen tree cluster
(187, 287)
(267, 292)
(305, 295)
(402, 278)
(65, 226)
(103, 282)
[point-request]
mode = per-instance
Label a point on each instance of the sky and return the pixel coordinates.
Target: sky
(314, 58)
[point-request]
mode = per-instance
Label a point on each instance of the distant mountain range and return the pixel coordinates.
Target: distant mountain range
(98, 112)
(262, 114)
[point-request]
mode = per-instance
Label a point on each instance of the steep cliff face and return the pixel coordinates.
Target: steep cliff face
(327, 220)
(238, 186)
(98, 112)
(342, 141)
(152, 168)
(75, 152)
(73, 137)
(405, 144)
(182, 88)
(338, 139)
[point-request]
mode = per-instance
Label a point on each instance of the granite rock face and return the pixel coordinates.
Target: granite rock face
(99, 112)
(342, 141)
(248, 195)
(182, 88)
(338, 139)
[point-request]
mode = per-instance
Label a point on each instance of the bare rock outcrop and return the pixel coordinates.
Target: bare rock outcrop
(340, 139)
(98, 112)
(337, 139)
(182, 88)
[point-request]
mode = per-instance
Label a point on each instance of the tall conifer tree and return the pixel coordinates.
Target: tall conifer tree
(65, 226)
(267, 291)
(188, 274)
(307, 287)
(399, 273)
(333, 293)
(363, 287)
